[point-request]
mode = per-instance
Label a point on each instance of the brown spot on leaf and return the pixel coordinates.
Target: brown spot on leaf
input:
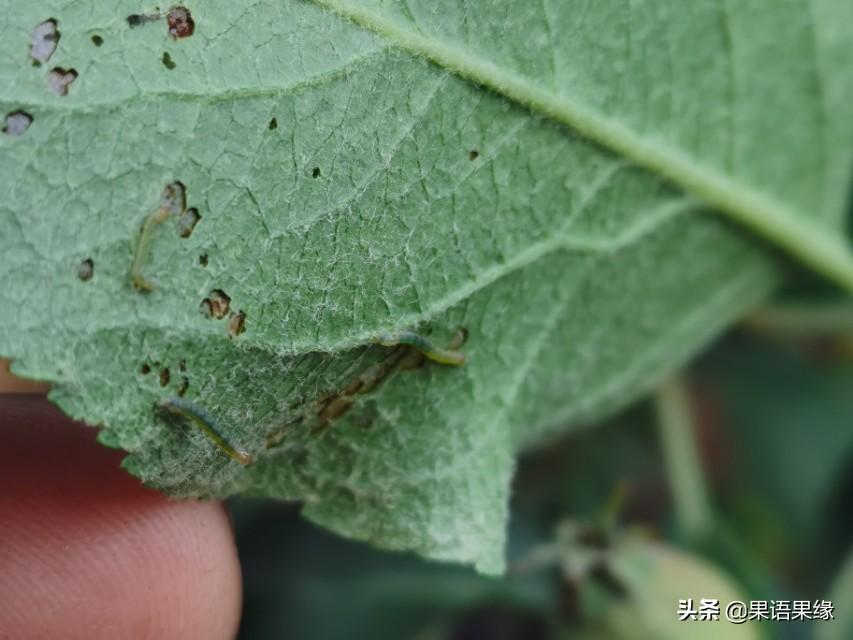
(164, 376)
(43, 41)
(145, 369)
(217, 305)
(59, 80)
(167, 61)
(353, 387)
(236, 324)
(473, 154)
(187, 222)
(182, 388)
(181, 24)
(336, 408)
(86, 269)
(206, 308)
(16, 123)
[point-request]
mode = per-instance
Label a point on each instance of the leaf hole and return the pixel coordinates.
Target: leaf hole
(187, 222)
(173, 200)
(217, 305)
(236, 324)
(43, 41)
(59, 80)
(16, 123)
(86, 269)
(181, 24)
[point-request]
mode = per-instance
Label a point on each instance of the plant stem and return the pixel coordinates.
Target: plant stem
(803, 318)
(681, 457)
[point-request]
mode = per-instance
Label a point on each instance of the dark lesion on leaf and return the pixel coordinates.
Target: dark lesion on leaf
(86, 269)
(315, 172)
(140, 19)
(145, 369)
(236, 324)
(167, 61)
(220, 303)
(97, 40)
(473, 154)
(216, 305)
(181, 23)
(183, 387)
(273, 124)
(165, 376)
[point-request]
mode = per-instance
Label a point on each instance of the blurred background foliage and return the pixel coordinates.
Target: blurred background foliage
(611, 525)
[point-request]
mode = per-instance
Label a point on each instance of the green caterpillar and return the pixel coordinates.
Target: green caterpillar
(437, 354)
(204, 421)
(172, 202)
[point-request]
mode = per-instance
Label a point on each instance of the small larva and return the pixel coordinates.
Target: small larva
(424, 345)
(204, 421)
(172, 202)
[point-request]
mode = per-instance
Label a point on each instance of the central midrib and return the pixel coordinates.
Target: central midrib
(815, 247)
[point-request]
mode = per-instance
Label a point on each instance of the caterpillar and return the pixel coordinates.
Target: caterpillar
(435, 353)
(172, 202)
(204, 421)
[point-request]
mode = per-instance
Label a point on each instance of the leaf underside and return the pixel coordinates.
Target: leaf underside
(348, 186)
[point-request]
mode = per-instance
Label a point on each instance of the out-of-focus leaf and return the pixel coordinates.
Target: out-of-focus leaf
(841, 596)
(301, 582)
(655, 577)
(788, 442)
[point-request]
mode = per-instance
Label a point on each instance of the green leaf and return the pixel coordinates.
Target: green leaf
(841, 597)
(302, 583)
(347, 186)
(657, 577)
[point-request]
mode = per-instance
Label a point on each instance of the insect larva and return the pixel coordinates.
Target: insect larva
(425, 346)
(172, 202)
(204, 421)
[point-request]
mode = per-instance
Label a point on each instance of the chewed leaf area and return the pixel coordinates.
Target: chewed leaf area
(280, 252)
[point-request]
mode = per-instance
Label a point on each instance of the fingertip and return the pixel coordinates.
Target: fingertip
(88, 552)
